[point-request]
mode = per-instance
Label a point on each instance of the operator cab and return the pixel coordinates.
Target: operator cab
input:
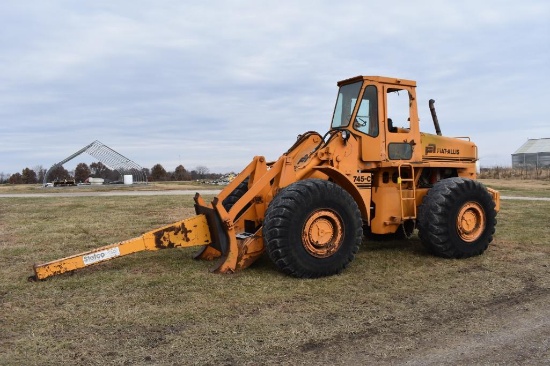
(382, 113)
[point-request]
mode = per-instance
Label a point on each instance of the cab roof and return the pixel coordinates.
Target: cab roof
(378, 79)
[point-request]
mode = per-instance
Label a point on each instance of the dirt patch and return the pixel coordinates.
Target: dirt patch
(515, 330)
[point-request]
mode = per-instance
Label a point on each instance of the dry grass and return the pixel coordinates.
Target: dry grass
(519, 188)
(153, 186)
(164, 308)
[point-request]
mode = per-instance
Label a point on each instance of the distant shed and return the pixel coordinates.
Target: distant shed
(535, 153)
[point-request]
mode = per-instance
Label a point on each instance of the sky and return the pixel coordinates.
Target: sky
(214, 83)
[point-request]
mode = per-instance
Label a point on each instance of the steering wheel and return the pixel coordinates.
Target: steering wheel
(360, 121)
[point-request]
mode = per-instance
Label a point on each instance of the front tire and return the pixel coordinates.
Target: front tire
(457, 218)
(312, 228)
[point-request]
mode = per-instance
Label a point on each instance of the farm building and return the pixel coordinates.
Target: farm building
(534, 153)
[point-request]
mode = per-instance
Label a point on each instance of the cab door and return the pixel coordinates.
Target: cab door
(400, 121)
(367, 123)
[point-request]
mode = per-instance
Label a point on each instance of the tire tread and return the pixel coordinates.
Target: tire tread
(280, 215)
(436, 210)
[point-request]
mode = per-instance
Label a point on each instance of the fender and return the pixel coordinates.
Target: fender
(344, 181)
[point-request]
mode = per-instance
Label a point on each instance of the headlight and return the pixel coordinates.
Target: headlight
(345, 135)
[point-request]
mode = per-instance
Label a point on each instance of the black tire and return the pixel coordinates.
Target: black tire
(312, 228)
(237, 193)
(457, 218)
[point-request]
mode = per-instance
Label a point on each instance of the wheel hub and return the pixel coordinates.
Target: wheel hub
(470, 222)
(323, 233)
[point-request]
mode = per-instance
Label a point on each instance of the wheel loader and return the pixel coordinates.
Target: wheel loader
(372, 171)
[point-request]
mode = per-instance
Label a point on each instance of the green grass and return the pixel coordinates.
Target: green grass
(165, 308)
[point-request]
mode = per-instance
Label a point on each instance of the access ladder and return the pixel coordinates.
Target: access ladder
(408, 199)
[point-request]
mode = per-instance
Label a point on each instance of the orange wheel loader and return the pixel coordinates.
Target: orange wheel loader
(372, 171)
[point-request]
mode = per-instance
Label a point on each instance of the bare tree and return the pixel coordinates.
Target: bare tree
(15, 179)
(28, 176)
(181, 174)
(81, 172)
(147, 172)
(202, 171)
(99, 170)
(59, 173)
(41, 172)
(158, 173)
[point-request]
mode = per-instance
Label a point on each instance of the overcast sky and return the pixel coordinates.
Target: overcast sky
(214, 83)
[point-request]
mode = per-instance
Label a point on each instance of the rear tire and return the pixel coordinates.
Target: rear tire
(234, 196)
(457, 218)
(312, 228)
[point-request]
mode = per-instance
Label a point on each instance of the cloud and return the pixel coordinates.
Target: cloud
(215, 84)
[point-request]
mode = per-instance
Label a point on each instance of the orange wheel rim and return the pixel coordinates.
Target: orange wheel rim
(323, 233)
(470, 222)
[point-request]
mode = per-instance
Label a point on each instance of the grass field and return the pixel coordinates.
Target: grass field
(154, 186)
(165, 308)
(520, 188)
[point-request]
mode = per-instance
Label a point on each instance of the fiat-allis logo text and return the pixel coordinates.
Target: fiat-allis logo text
(432, 149)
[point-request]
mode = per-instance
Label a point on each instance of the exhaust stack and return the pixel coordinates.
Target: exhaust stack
(434, 117)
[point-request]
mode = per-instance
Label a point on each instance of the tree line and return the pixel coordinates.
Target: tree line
(520, 172)
(84, 171)
(158, 174)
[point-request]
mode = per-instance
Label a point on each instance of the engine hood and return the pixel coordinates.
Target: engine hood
(436, 147)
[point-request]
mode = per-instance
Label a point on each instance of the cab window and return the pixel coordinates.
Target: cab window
(347, 98)
(398, 104)
(366, 120)
(400, 151)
